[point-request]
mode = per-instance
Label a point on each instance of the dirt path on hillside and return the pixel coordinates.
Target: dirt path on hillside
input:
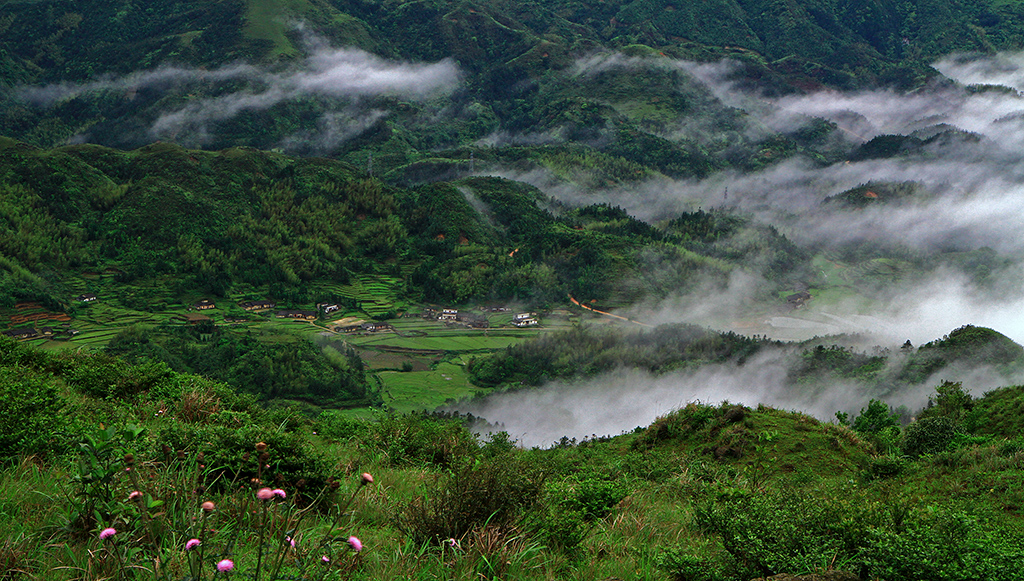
(605, 313)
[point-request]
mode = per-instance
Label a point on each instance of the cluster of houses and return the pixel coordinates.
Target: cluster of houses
(298, 315)
(25, 333)
(266, 305)
(368, 327)
(451, 316)
(257, 306)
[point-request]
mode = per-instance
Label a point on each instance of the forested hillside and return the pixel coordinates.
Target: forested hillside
(463, 74)
(241, 217)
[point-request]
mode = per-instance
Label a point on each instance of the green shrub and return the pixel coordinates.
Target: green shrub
(794, 532)
(572, 506)
(785, 532)
(420, 439)
(877, 416)
(686, 566)
(336, 425)
(104, 376)
(493, 492)
(943, 545)
(929, 436)
(884, 467)
(499, 444)
(230, 455)
(33, 416)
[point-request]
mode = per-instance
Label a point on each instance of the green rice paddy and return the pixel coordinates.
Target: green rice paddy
(419, 364)
(427, 390)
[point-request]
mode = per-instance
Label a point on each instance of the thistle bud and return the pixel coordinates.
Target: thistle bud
(208, 506)
(261, 446)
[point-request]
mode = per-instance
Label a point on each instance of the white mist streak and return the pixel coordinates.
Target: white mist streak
(345, 73)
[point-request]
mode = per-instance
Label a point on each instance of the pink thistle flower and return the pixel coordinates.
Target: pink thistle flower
(355, 543)
(325, 559)
(290, 541)
(279, 492)
(107, 533)
(264, 494)
(135, 494)
(208, 506)
(366, 478)
(225, 565)
(191, 544)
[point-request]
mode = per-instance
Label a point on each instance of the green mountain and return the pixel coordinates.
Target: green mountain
(240, 73)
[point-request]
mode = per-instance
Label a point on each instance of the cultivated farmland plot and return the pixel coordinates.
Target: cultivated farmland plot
(418, 364)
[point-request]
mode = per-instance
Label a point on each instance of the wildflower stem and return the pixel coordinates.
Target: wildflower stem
(259, 548)
(202, 546)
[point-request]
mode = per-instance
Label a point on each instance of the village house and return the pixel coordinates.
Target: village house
(326, 308)
(298, 315)
(192, 318)
(525, 320)
(86, 298)
(22, 334)
(204, 304)
(797, 300)
(256, 306)
(449, 315)
(373, 327)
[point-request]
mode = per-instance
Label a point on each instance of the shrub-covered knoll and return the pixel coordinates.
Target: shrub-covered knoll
(587, 351)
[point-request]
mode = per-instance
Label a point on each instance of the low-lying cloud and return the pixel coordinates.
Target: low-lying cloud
(622, 400)
(346, 75)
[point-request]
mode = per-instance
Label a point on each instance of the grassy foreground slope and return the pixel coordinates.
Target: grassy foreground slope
(706, 492)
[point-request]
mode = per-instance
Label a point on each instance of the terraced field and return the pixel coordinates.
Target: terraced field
(421, 363)
(418, 363)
